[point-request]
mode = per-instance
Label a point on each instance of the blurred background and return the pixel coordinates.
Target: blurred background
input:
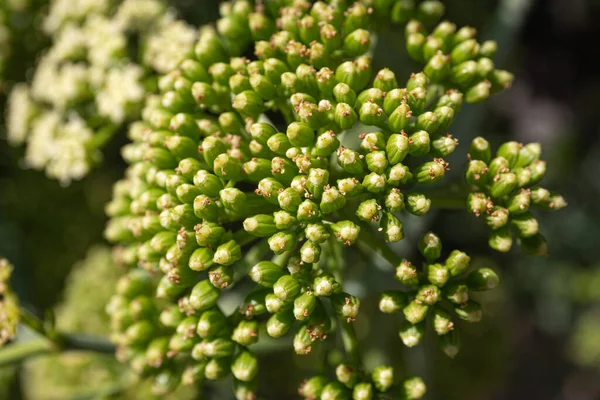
(540, 338)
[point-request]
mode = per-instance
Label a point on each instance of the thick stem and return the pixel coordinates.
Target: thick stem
(350, 342)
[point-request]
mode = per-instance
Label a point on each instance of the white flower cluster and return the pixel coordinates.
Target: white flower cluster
(92, 77)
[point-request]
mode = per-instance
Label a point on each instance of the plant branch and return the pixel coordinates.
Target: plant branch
(350, 342)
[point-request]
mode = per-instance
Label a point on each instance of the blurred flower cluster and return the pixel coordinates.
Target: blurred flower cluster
(103, 60)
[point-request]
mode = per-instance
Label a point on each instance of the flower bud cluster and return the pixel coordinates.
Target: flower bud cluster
(91, 80)
(9, 305)
(504, 191)
(352, 383)
(236, 155)
(440, 292)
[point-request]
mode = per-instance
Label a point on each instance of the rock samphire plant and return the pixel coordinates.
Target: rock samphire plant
(270, 149)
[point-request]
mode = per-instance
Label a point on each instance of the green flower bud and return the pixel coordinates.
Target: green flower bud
(450, 343)
(442, 321)
(456, 293)
(332, 200)
(419, 143)
(345, 305)
(326, 144)
(372, 141)
(432, 46)
(161, 158)
(525, 225)
(346, 375)
(372, 114)
(286, 288)
(156, 352)
(289, 200)
(266, 273)
(488, 49)
(135, 283)
(316, 233)
(501, 239)
(356, 42)
(510, 151)
(428, 294)
(391, 302)
(204, 295)
(406, 273)
(171, 316)
(372, 95)
(464, 51)
(313, 387)
(228, 253)
(392, 228)
(438, 68)
(215, 348)
(485, 68)
(470, 312)
(345, 116)
(478, 204)
(497, 218)
(528, 154)
(368, 210)
(217, 369)
(300, 134)
(245, 366)
(239, 83)
(350, 161)
(478, 92)
(208, 233)
(248, 104)
(399, 174)
(209, 184)
(281, 242)
(503, 184)
(432, 171)
(316, 182)
(534, 245)
(139, 333)
(201, 259)
(310, 252)
(410, 334)
(261, 225)
(257, 169)
(374, 182)
(383, 378)
(417, 204)
(283, 220)
(477, 173)
(246, 333)
(500, 80)
(345, 231)
(415, 42)
(480, 150)
(220, 276)
(540, 196)
(206, 208)
(483, 279)
(303, 341)
(325, 285)
(334, 391)
(274, 304)
(228, 167)
(519, 202)
(376, 161)
(280, 323)
(304, 305)
(415, 312)
(438, 274)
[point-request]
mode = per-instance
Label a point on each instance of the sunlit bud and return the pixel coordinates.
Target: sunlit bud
(438, 274)
(391, 302)
(417, 204)
(407, 274)
(501, 239)
(246, 332)
(415, 312)
(410, 334)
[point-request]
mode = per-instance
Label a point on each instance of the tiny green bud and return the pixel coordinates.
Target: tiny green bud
(442, 321)
(357, 42)
(438, 274)
(477, 173)
(501, 239)
(478, 92)
(204, 295)
(332, 200)
(391, 302)
(304, 305)
(310, 252)
(368, 210)
(227, 253)
(248, 104)
(281, 242)
(316, 233)
(410, 334)
(449, 343)
(419, 144)
(417, 204)
(503, 184)
(470, 311)
(286, 288)
(350, 160)
(406, 273)
(325, 285)
(383, 378)
(313, 387)
(392, 228)
(525, 225)
(428, 294)
(246, 332)
(483, 279)
(245, 366)
(456, 293)
(280, 323)
(438, 67)
(497, 218)
(377, 161)
(345, 116)
(345, 305)
(345, 231)
(266, 273)
(201, 259)
(415, 312)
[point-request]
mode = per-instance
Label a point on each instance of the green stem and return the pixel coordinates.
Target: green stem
(17, 352)
(350, 342)
(449, 202)
(103, 136)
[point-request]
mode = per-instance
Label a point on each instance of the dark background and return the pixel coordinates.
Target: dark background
(541, 335)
